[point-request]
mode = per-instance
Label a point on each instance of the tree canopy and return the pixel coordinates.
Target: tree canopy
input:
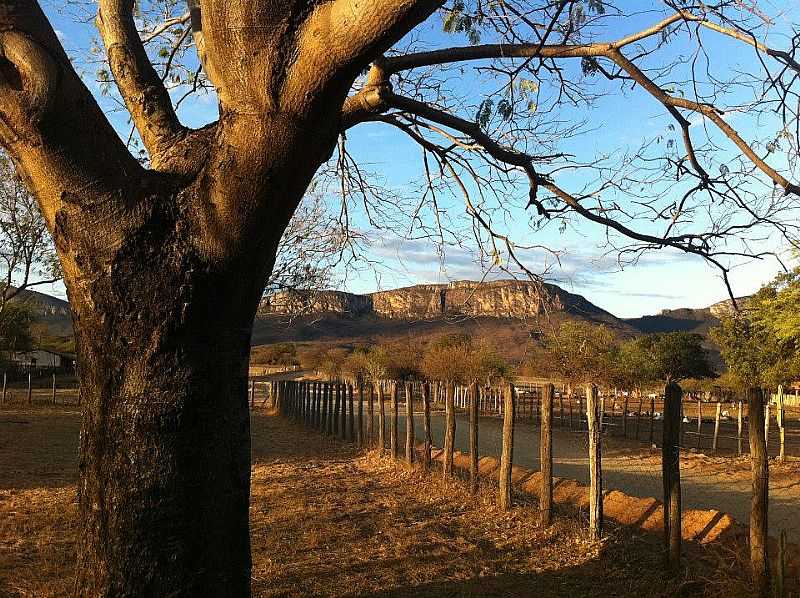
(486, 102)
(760, 343)
(667, 357)
(576, 352)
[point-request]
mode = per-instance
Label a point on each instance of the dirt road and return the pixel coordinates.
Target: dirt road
(721, 483)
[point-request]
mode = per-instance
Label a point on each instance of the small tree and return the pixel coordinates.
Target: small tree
(357, 366)
(27, 255)
(489, 365)
(760, 342)
(15, 327)
(332, 363)
(397, 361)
(669, 357)
(454, 359)
(277, 354)
(579, 352)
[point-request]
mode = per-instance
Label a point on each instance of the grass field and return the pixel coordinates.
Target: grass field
(329, 520)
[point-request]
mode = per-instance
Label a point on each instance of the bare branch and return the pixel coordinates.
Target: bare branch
(138, 83)
(51, 125)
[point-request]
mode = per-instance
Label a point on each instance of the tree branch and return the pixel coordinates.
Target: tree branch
(342, 37)
(697, 244)
(138, 83)
(51, 125)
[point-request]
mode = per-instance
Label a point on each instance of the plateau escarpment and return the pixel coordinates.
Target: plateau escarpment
(496, 299)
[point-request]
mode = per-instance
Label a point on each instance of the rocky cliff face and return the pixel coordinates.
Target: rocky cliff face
(299, 302)
(499, 299)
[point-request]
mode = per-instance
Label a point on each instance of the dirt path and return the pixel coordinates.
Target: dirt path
(328, 520)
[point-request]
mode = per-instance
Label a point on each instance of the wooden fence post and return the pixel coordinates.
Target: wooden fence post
(740, 424)
(351, 414)
(716, 427)
(781, 425)
(337, 404)
(54, 388)
(319, 405)
(360, 430)
(625, 417)
(5, 385)
(30, 393)
(759, 509)
(409, 424)
(341, 390)
(371, 415)
(393, 422)
(595, 464)
(767, 401)
(546, 455)
(323, 408)
(671, 475)
(450, 430)
(426, 422)
(506, 457)
(474, 398)
(331, 405)
(252, 393)
(652, 419)
(699, 423)
(381, 420)
(639, 416)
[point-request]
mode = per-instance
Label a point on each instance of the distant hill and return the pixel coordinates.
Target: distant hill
(700, 320)
(53, 314)
(508, 312)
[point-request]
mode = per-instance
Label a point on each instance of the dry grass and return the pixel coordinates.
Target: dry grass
(328, 520)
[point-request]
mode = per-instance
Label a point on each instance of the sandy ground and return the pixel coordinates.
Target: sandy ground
(329, 520)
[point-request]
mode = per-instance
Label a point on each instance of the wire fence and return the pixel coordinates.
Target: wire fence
(713, 441)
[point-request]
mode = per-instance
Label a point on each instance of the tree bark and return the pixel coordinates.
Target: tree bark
(546, 455)
(473, 437)
(507, 454)
(426, 422)
(671, 475)
(450, 430)
(409, 423)
(759, 510)
(593, 415)
(164, 345)
(381, 420)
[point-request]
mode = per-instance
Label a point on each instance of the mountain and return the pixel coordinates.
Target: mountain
(699, 320)
(508, 312)
(495, 299)
(52, 313)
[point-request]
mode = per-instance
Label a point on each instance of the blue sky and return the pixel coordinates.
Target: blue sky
(616, 124)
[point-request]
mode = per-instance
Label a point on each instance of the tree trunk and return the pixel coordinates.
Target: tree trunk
(164, 345)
